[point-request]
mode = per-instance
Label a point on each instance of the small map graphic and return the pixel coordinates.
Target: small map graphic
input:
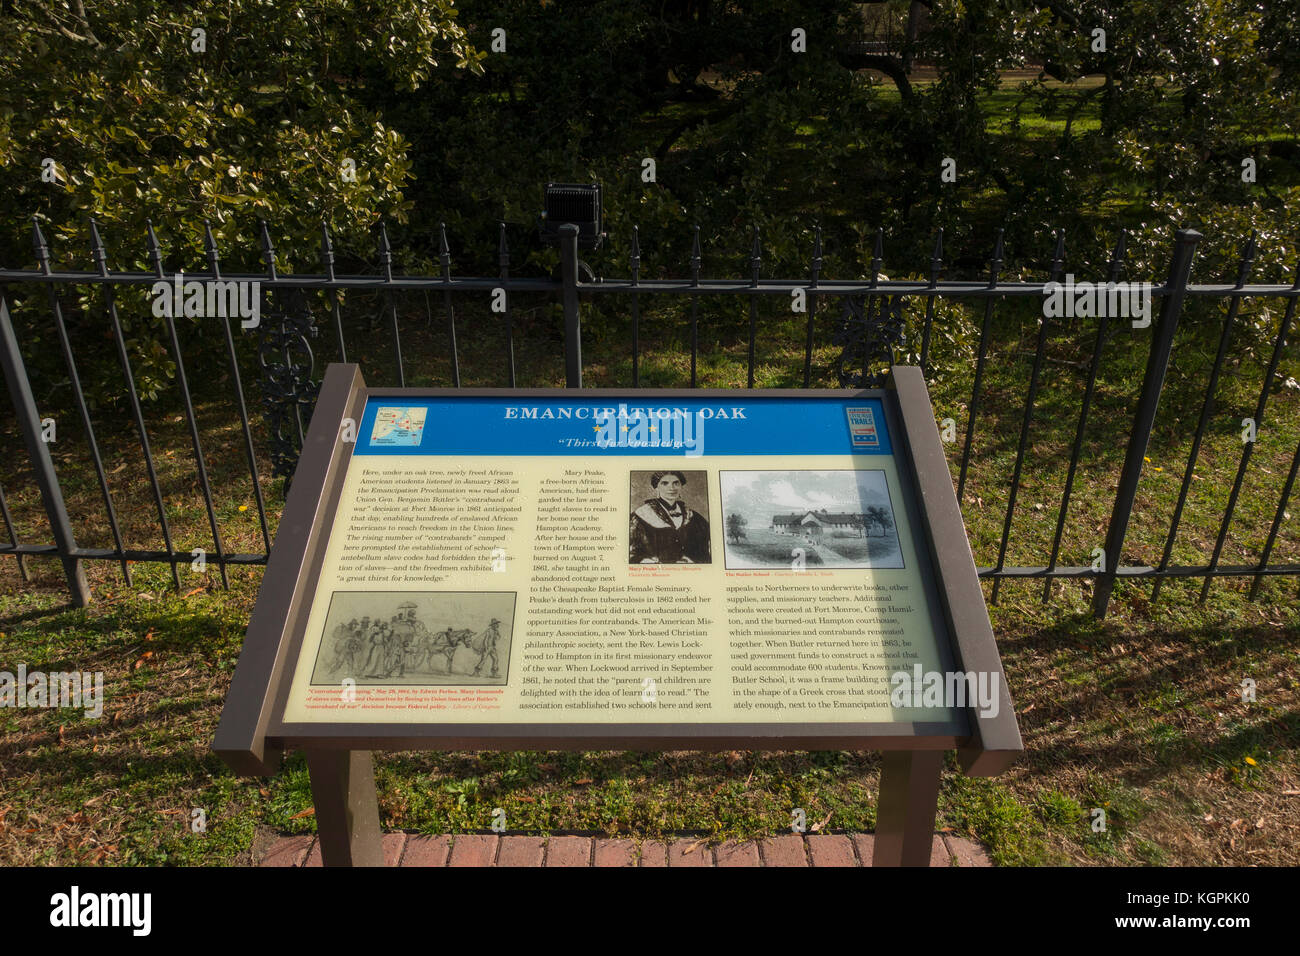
(398, 426)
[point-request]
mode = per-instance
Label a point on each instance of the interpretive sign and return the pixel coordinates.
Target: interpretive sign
(593, 568)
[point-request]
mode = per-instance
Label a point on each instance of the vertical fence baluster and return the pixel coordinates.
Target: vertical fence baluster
(444, 258)
(386, 264)
(268, 254)
(327, 263)
(428, 312)
(100, 255)
(1278, 517)
(43, 258)
(815, 270)
(13, 538)
(29, 422)
(1243, 270)
(214, 263)
(1153, 380)
(695, 303)
(155, 253)
(995, 266)
(1116, 263)
(503, 259)
(1058, 261)
(1248, 446)
(936, 266)
(1295, 462)
(636, 307)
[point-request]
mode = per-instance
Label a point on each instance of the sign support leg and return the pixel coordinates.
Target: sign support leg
(347, 812)
(909, 797)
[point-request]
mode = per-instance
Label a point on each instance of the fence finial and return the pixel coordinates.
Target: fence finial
(636, 255)
(41, 246)
(210, 244)
(995, 264)
(936, 260)
(755, 259)
(817, 254)
(695, 258)
(1117, 256)
(97, 250)
(268, 250)
(155, 250)
(503, 250)
(444, 251)
(385, 252)
(877, 255)
(1058, 257)
(1247, 259)
(326, 251)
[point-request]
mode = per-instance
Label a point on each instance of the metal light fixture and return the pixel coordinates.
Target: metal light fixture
(574, 203)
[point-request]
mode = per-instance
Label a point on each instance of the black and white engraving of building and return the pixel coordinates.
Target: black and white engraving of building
(815, 523)
(816, 518)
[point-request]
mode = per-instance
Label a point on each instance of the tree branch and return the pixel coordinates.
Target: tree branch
(887, 65)
(691, 122)
(57, 24)
(79, 9)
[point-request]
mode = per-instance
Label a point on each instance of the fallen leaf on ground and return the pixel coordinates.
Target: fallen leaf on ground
(309, 812)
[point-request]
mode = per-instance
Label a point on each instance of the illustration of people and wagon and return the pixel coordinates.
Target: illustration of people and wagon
(401, 646)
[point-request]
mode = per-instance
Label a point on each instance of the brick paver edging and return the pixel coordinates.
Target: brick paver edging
(481, 849)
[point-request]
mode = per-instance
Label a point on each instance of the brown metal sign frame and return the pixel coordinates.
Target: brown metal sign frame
(252, 736)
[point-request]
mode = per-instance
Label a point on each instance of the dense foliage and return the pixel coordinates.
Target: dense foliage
(744, 129)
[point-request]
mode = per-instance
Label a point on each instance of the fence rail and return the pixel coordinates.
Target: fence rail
(870, 327)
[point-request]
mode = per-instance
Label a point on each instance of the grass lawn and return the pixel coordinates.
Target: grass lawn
(1139, 715)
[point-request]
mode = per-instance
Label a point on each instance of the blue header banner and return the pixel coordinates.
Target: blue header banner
(623, 425)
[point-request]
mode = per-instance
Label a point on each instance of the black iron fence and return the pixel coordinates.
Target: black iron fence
(875, 317)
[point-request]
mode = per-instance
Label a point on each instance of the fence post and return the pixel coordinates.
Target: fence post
(20, 390)
(1180, 270)
(572, 319)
